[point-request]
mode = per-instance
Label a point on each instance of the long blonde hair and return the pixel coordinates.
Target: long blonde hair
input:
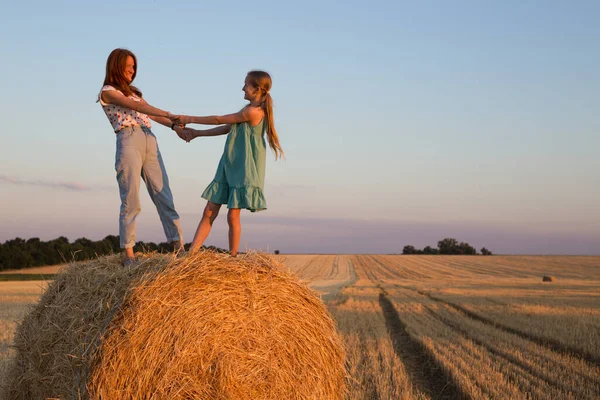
(262, 81)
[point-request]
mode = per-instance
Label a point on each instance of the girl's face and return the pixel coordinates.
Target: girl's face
(129, 69)
(250, 92)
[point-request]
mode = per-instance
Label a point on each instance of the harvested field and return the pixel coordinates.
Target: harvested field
(48, 269)
(446, 327)
(16, 298)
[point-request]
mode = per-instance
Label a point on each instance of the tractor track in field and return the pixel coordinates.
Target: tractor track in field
(590, 383)
(544, 342)
(505, 356)
(424, 371)
(334, 268)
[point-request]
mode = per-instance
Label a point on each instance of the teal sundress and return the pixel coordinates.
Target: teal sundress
(240, 176)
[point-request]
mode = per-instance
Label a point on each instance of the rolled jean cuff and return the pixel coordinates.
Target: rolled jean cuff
(175, 239)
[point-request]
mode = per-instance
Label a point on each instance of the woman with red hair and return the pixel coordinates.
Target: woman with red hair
(137, 153)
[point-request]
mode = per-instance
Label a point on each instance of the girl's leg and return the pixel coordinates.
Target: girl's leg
(208, 217)
(235, 230)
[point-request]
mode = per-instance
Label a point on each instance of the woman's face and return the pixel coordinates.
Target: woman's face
(129, 69)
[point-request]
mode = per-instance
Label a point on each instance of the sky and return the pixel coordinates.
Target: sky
(402, 123)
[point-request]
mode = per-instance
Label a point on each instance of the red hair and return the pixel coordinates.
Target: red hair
(115, 72)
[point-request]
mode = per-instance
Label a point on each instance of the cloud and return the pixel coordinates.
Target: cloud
(71, 186)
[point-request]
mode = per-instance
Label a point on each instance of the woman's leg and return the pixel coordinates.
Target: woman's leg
(155, 176)
(208, 217)
(235, 230)
(128, 165)
(128, 253)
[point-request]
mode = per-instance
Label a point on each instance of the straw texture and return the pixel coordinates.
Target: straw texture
(207, 326)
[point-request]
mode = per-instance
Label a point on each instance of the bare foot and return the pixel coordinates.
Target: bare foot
(177, 246)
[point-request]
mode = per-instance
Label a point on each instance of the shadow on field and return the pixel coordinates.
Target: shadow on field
(549, 343)
(425, 373)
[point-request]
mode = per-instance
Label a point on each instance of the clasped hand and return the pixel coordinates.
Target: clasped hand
(187, 134)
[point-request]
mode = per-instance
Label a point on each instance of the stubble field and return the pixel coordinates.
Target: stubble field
(442, 327)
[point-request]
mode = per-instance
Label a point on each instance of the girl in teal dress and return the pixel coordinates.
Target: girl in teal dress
(240, 176)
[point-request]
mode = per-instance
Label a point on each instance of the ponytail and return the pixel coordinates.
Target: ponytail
(262, 80)
(272, 137)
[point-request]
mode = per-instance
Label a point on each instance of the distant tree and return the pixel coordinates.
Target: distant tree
(114, 241)
(452, 246)
(15, 254)
(430, 250)
(276, 252)
(165, 247)
(19, 253)
(61, 250)
(102, 247)
(83, 242)
(466, 248)
(448, 246)
(146, 246)
(485, 252)
(215, 249)
(82, 249)
(36, 248)
(409, 250)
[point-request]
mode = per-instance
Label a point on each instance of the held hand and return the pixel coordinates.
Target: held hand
(175, 118)
(184, 119)
(189, 134)
(179, 129)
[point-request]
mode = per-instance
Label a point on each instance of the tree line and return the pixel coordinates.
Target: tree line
(20, 253)
(447, 246)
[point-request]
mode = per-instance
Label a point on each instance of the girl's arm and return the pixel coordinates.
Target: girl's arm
(117, 98)
(246, 114)
(189, 134)
(219, 130)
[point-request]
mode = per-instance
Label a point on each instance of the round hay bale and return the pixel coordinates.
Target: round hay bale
(548, 278)
(208, 326)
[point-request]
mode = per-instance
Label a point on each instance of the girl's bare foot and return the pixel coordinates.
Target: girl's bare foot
(177, 246)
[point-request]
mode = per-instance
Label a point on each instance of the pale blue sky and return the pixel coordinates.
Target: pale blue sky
(403, 123)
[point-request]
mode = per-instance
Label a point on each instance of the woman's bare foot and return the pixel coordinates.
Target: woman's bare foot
(128, 257)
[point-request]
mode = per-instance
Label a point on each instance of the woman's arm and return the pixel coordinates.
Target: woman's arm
(117, 98)
(161, 120)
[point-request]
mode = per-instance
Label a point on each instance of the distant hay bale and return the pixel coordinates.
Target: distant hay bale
(207, 326)
(548, 278)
